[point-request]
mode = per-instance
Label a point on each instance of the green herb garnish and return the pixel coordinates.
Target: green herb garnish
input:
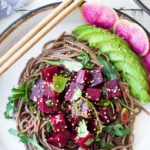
(25, 138)
(109, 70)
(16, 94)
(59, 83)
(68, 64)
(117, 130)
(85, 61)
(82, 129)
(10, 108)
(136, 110)
(104, 145)
(49, 102)
(49, 127)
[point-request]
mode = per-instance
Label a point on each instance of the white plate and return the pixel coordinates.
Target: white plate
(10, 78)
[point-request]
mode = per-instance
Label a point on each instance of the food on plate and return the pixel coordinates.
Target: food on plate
(99, 14)
(146, 61)
(134, 35)
(120, 55)
(73, 96)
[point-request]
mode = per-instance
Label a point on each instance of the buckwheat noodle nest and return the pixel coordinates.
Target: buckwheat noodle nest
(66, 47)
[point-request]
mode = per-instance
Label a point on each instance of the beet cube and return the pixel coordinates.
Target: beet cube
(72, 89)
(49, 72)
(82, 76)
(95, 77)
(107, 114)
(59, 139)
(93, 94)
(85, 142)
(112, 89)
(47, 106)
(42, 89)
(58, 122)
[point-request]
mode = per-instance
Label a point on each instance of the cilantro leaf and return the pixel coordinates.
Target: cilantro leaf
(117, 130)
(16, 93)
(120, 131)
(10, 108)
(108, 69)
(104, 145)
(59, 83)
(85, 61)
(70, 65)
(25, 138)
(49, 127)
(82, 129)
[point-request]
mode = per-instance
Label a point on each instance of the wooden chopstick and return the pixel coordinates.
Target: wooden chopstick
(28, 36)
(30, 40)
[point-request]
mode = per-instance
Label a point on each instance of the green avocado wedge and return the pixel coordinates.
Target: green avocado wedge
(140, 93)
(120, 55)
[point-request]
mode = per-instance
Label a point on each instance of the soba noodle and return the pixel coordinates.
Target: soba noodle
(68, 48)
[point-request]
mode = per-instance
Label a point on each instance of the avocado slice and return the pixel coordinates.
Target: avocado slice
(125, 67)
(136, 89)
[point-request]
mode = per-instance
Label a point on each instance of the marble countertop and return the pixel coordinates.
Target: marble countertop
(128, 6)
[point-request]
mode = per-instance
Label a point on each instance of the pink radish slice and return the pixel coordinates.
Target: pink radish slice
(100, 15)
(146, 61)
(134, 35)
(121, 28)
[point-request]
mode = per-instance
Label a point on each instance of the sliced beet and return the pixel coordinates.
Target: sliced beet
(92, 124)
(49, 72)
(93, 94)
(107, 114)
(72, 89)
(85, 142)
(46, 105)
(59, 139)
(72, 122)
(82, 76)
(133, 33)
(58, 122)
(43, 89)
(95, 77)
(99, 14)
(112, 89)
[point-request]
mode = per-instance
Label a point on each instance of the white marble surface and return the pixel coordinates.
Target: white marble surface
(127, 6)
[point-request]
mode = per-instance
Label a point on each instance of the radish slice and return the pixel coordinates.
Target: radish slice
(100, 15)
(146, 62)
(134, 35)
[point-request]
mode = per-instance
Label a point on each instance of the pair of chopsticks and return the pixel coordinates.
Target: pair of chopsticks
(29, 40)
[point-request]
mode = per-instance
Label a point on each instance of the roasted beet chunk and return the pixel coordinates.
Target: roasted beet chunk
(107, 114)
(59, 139)
(47, 105)
(42, 89)
(84, 138)
(93, 94)
(112, 89)
(49, 72)
(58, 122)
(95, 77)
(72, 90)
(86, 141)
(82, 76)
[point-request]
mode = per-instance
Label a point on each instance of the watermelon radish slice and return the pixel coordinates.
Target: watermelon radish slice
(146, 61)
(134, 35)
(99, 14)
